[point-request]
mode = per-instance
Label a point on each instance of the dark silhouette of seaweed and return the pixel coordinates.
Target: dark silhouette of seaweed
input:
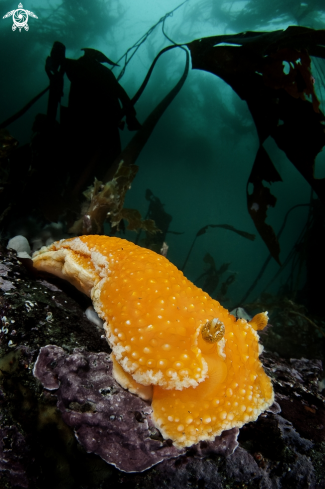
(268, 259)
(203, 230)
(212, 275)
(260, 12)
(283, 106)
(283, 103)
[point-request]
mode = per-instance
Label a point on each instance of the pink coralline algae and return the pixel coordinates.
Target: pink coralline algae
(108, 420)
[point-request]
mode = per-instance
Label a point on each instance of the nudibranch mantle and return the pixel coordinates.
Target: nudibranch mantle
(202, 384)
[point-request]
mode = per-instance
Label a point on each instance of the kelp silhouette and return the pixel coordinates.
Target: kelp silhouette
(283, 106)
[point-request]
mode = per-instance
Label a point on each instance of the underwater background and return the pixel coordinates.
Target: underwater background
(220, 167)
(196, 163)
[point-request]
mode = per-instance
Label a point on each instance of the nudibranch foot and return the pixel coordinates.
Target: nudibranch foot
(77, 268)
(127, 382)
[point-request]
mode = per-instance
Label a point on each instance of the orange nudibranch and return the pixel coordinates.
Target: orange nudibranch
(169, 338)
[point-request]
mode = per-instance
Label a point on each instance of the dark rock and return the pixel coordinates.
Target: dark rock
(38, 426)
(296, 391)
(13, 452)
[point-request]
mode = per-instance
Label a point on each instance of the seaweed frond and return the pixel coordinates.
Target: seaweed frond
(106, 201)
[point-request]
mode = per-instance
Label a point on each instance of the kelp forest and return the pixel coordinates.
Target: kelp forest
(73, 174)
(193, 129)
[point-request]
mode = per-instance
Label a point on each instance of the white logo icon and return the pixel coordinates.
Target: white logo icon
(20, 18)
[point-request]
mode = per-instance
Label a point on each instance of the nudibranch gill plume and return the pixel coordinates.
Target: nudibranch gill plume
(169, 339)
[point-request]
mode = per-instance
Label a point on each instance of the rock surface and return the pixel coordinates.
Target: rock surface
(41, 421)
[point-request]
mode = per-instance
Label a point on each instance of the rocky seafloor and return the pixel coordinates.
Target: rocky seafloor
(65, 423)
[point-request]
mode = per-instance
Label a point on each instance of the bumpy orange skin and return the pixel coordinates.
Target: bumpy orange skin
(154, 317)
(236, 391)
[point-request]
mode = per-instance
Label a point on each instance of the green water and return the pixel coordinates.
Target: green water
(199, 156)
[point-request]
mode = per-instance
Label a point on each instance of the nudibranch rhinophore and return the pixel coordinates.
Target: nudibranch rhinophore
(170, 339)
